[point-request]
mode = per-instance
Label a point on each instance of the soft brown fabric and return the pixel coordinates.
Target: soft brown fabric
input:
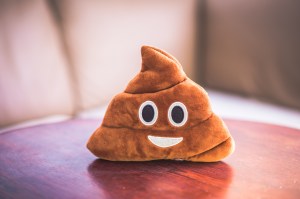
(123, 137)
(158, 72)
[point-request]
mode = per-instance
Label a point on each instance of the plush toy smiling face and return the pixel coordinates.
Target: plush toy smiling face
(161, 115)
(177, 115)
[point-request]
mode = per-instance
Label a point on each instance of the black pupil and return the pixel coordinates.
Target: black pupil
(148, 113)
(177, 114)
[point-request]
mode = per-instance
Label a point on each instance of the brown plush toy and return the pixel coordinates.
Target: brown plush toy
(162, 114)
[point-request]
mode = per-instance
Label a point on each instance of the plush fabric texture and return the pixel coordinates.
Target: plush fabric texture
(190, 132)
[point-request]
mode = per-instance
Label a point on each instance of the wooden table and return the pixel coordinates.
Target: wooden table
(51, 161)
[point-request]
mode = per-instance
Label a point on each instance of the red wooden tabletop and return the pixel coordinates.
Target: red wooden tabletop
(51, 161)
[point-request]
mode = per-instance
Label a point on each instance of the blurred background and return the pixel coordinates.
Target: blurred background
(61, 59)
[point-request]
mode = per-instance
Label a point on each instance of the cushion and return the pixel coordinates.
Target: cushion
(162, 114)
(34, 77)
(255, 55)
(102, 38)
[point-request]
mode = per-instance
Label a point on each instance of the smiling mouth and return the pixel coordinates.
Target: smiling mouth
(164, 141)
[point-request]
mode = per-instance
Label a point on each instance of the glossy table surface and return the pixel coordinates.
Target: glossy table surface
(51, 161)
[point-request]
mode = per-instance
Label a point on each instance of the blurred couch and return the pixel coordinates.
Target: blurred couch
(252, 48)
(63, 56)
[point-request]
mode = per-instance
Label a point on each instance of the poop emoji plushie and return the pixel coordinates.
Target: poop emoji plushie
(162, 114)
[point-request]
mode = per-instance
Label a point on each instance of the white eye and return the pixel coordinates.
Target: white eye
(177, 114)
(148, 113)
